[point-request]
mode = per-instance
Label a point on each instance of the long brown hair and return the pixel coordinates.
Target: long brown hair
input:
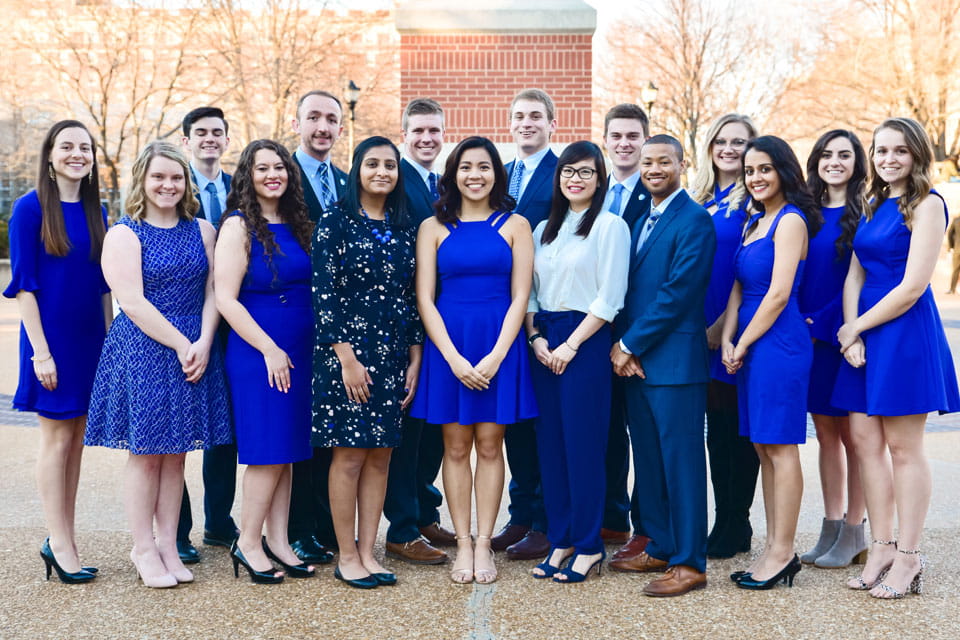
(919, 182)
(53, 230)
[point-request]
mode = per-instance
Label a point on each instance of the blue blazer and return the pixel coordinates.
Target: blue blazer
(226, 183)
(663, 321)
(534, 204)
(639, 205)
(313, 202)
(419, 199)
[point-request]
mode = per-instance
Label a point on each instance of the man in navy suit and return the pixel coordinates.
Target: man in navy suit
(412, 502)
(205, 140)
(662, 353)
(318, 122)
(532, 123)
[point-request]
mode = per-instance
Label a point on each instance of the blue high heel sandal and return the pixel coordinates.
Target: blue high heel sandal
(548, 569)
(573, 576)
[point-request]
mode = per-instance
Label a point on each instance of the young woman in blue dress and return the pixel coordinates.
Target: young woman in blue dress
(836, 171)
(766, 340)
(897, 365)
(718, 186)
(475, 377)
(262, 284)
(56, 235)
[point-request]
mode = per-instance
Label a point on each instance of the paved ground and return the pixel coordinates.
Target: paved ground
(425, 604)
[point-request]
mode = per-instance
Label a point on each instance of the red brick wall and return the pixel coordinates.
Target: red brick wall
(475, 76)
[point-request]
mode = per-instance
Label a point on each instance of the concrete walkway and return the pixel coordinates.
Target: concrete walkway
(425, 604)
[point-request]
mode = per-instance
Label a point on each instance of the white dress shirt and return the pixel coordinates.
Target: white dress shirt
(574, 273)
(204, 195)
(421, 170)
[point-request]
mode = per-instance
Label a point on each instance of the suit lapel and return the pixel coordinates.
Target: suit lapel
(196, 190)
(638, 205)
(662, 224)
(543, 174)
(311, 199)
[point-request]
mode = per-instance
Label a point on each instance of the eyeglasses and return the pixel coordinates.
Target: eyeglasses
(585, 173)
(736, 143)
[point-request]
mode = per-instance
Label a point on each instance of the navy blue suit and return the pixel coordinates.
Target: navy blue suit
(664, 326)
(412, 501)
(219, 463)
(313, 201)
(526, 498)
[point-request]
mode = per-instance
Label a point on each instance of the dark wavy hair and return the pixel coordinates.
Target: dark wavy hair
(396, 199)
(53, 230)
(853, 205)
(292, 208)
(559, 205)
(792, 184)
(448, 206)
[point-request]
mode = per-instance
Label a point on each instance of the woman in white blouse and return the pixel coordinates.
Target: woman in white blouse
(579, 281)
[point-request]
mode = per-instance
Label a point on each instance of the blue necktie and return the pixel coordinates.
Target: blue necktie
(516, 179)
(325, 196)
(434, 192)
(648, 228)
(213, 211)
(617, 199)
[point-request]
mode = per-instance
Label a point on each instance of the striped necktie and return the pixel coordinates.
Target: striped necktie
(434, 191)
(325, 195)
(516, 179)
(648, 228)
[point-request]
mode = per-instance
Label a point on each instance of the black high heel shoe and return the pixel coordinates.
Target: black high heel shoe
(259, 577)
(737, 576)
(302, 570)
(50, 561)
(784, 575)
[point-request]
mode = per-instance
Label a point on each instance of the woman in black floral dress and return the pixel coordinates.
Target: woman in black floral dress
(368, 348)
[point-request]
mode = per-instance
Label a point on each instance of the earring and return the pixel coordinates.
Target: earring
(50, 171)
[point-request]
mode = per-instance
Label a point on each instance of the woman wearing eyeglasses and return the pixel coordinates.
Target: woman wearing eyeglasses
(579, 281)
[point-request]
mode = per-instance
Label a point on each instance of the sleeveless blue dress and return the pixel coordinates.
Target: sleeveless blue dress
(821, 300)
(273, 427)
(772, 384)
(69, 292)
(909, 369)
(141, 399)
(474, 264)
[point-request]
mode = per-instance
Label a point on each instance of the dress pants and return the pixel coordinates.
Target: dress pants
(429, 497)
(310, 499)
(733, 462)
(410, 503)
(572, 434)
(666, 432)
(526, 499)
(619, 507)
(219, 490)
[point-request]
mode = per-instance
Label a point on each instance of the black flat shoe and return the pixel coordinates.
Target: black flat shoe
(302, 570)
(78, 577)
(367, 582)
(311, 551)
(187, 552)
(259, 577)
(212, 539)
(737, 576)
(385, 579)
(785, 575)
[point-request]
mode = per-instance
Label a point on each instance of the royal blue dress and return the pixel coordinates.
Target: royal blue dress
(141, 399)
(273, 427)
(729, 228)
(363, 294)
(69, 292)
(821, 300)
(909, 369)
(772, 384)
(474, 263)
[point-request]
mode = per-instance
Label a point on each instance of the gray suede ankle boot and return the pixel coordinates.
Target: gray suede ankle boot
(829, 531)
(850, 547)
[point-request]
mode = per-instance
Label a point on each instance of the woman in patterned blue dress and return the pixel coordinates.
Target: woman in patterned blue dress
(159, 390)
(897, 365)
(368, 348)
(56, 233)
(263, 291)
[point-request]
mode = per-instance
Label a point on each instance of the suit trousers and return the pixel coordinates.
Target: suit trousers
(666, 432)
(412, 501)
(733, 462)
(619, 506)
(310, 499)
(572, 434)
(430, 458)
(526, 499)
(219, 491)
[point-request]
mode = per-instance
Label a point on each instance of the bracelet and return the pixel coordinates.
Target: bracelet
(36, 359)
(569, 346)
(533, 338)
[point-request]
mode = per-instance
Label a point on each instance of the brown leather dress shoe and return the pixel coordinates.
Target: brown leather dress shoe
(678, 580)
(611, 536)
(438, 536)
(634, 547)
(416, 551)
(642, 563)
(534, 546)
(510, 534)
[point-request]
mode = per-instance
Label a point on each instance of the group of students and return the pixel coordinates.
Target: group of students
(543, 298)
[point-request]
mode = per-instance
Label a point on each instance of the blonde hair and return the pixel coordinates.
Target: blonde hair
(136, 204)
(920, 180)
(701, 188)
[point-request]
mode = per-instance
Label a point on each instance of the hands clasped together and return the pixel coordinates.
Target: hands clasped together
(625, 364)
(555, 360)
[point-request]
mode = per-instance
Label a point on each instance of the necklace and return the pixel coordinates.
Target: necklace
(386, 237)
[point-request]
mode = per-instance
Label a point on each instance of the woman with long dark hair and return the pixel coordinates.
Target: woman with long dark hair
(582, 255)
(262, 280)
(836, 171)
(56, 236)
(897, 365)
(476, 375)
(368, 348)
(766, 341)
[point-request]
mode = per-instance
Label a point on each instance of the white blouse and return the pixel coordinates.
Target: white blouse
(574, 273)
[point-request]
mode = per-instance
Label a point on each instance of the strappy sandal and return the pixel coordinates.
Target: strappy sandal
(485, 576)
(863, 585)
(462, 576)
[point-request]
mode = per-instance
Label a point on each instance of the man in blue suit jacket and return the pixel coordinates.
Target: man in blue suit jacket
(205, 139)
(532, 122)
(662, 352)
